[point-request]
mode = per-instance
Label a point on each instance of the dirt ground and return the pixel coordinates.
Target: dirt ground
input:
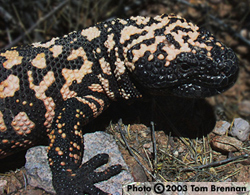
(182, 139)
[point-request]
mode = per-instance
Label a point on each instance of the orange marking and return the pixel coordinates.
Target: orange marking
(105, 66)
(77, 133)
(124, 94)
(150, 57)
(76, 74)
(110, 43)
(92, 105)
(151, 48)
(39, 61)
(63, 135)
(140, 20)
(91, 33)
(47, 44)
(9, 86)
(169, 48)
(122, 21)
(5, 141)
(12, 57)
(98, 50)
(56, 50)
(160, 56)
(120, 67)
(96, 87)
(3, 127)
(40, 90)
(105, 86)
(76, 53)
(22, 124)
(59, 125)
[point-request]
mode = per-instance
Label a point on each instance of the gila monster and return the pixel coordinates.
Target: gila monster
(53, 88)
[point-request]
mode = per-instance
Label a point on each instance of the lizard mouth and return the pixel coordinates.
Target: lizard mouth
(201, 88)
(193, 90)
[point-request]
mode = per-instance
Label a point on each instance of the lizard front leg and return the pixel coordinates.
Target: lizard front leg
(67, 146)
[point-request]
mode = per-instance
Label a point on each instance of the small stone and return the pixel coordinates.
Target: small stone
(143, 134)
(225, 144)
(244, 33)
(147, 145)
(138, 173)
(240, 129)
(244, 108)
(3, 185)
(181, 149)
(242, 49)
(176, 153)
(221, 127)
(38, 170)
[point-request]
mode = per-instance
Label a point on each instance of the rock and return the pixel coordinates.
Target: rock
(242, 49)
(221, 127)
(245, 33)
(39, 174)
(3, 184)
(37, 168)
(240, 129)
(138, 173)
(244, 108)
(225, 144)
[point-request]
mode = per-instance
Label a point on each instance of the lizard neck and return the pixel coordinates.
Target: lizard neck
(113, 61)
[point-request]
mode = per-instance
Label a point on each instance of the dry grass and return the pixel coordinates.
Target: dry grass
(177, 158)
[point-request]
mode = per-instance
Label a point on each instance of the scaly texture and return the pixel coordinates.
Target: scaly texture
(53, 88)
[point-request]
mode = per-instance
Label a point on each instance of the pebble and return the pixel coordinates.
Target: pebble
(244, 108)
(221, 127)
(225, 144)
(240, 129)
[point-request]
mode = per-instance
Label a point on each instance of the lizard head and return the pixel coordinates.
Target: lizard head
(177, 57)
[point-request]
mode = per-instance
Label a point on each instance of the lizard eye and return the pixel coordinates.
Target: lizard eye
(185, 67)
